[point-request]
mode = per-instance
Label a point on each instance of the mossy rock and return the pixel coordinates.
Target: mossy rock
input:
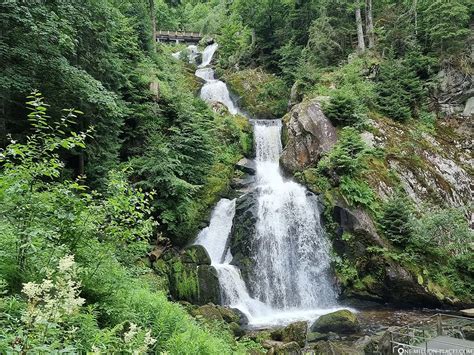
(340, 322)
(261, 94)
(335, 348)
(292, 348)
(208, 285)
(295, 332)
(196, 254)
(208, 312)
(312, 337)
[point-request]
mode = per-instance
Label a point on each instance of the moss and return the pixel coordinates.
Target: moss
(184, 280)
(261, 94)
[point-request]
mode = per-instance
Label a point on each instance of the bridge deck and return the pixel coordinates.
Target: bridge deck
(443, 342)
(178, 36)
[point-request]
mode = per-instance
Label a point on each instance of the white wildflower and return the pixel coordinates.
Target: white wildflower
(66, 263)
(149, 340)
(132, 331)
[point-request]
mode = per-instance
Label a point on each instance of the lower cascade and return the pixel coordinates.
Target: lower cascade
(290, 277)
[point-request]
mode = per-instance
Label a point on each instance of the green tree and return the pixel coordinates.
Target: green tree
(396, 219)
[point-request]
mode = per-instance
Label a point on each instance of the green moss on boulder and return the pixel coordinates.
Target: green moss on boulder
(341, 322)
(261, 94)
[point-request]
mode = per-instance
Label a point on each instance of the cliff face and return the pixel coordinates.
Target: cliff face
(432, 164)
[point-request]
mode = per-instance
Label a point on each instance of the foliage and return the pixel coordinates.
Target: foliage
(396, 219)
(445, 230)
(346, 157)
(341, 109)
(45, 220)
(399, 90)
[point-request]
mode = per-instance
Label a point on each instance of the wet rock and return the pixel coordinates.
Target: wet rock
(243, 230)
(196, 254)
(229, 315)
(309, 135)
(295, 332)
(243, 183)
(208, 283)
(247, 166)
(340, 322)
(243, 320)
(236, 329)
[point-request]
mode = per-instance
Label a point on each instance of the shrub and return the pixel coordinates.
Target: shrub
(346, 157)
(341, 109)
(399, 90)
(396, 219)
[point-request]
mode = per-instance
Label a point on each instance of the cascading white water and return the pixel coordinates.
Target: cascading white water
(215, 239)
(208, 54)
(290, 279)
(290, 251)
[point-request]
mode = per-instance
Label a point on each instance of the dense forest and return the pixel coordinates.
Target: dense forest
(111, 163)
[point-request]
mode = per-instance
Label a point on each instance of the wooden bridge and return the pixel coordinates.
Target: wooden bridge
(178, 36)
(440, 334)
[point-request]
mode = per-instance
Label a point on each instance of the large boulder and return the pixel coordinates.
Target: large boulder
(295, 332)
(384, 278)
(335, 348)
(340, 322)
(309, 134)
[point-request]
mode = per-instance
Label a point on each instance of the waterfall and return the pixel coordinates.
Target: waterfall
(290, 279)
(215, 238)
(290, 250)
(208, 54)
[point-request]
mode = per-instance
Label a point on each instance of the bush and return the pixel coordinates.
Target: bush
(399, 90)
(341, 109)
(396, 219)
(346, 157)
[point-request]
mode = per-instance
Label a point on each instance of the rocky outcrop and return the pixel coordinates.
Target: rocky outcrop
(380, 278)
(308, 133)
(340, 322)
(455, 90)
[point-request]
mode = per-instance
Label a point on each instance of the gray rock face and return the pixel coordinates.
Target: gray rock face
(453, 91)
(247, 166)
(309, 135)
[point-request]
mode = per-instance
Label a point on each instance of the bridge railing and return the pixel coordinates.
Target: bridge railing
(416, 336)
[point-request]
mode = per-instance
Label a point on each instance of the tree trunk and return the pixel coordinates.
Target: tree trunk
(360, 31)
(153, 20)
(370, 23)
